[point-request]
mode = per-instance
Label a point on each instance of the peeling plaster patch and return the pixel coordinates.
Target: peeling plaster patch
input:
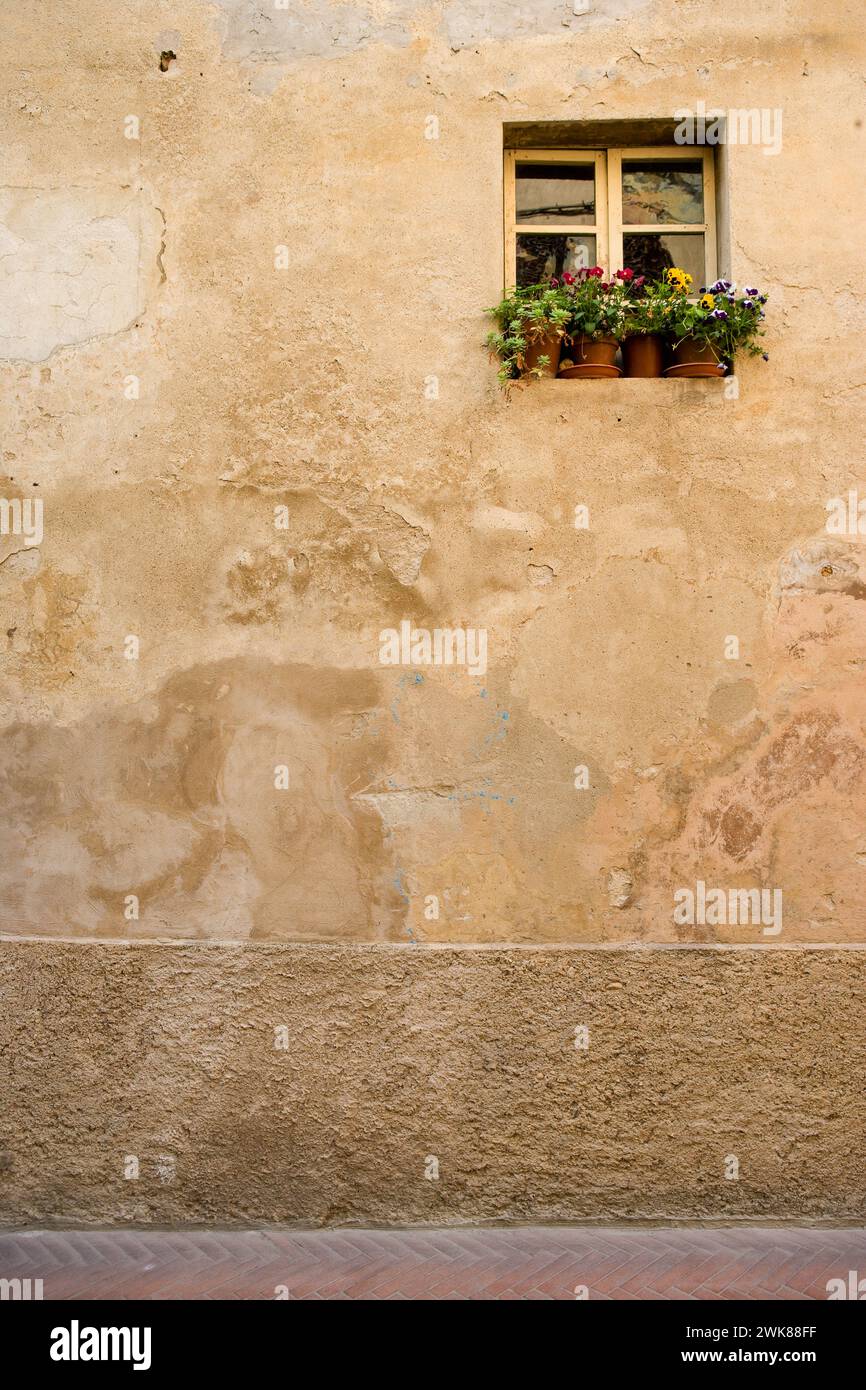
(822, 566)
(156, 799)
(260, 581)
(402, 807)
(167, 45)
(816, 748)
(401, 547)
(539, 575)
(73, 266)
(255, 583)
(23, 562)
(490, 21)
(619, 887)
(255, 32)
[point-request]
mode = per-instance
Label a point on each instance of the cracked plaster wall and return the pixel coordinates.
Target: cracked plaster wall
(187, 388)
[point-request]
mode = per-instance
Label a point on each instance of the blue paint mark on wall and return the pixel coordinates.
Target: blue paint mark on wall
(398, 884)
(414, 679)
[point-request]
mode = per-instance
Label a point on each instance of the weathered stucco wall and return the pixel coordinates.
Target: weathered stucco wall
(396, 1055)
(166, 386)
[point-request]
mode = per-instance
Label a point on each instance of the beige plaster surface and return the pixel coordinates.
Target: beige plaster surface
(314, 1084)
(166, 387)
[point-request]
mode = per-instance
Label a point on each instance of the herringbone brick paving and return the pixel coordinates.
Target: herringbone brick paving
(488, 1263)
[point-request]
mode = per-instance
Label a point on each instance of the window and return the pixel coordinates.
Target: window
(648, 208)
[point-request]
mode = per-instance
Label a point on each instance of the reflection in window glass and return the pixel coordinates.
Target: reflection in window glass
(541, 255)
(652, 253)
(653, 191)
(555, 193)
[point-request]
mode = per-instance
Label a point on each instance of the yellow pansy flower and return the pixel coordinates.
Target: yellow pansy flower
(708, 301)
(680, 279)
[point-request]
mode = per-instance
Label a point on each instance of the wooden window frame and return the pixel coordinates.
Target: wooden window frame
(609, 228)
(513, 227)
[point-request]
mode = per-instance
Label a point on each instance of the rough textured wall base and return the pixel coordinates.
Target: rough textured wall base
(398, 1054)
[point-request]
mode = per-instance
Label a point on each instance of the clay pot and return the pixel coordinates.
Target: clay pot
(701, 358)
(598, 351)
(589, 371)
(643, 354)
(545, 345)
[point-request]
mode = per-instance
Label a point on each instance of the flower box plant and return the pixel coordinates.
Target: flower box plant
(573, 326)
(644, 329)
(708, 333)
(531, 323)
(597, 312)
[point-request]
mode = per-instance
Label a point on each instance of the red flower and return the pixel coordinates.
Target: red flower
(628, 274)
(568, 279)
(596, 271)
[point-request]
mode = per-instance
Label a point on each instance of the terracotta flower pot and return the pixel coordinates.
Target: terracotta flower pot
(545, 345)
(702, 358)
(643, 354)
(599, 351)
(588, 371)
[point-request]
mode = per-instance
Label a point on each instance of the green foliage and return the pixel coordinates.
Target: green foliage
(598, 306)
(728, 322)
(586, 304)
(522, 317)
(649, 308)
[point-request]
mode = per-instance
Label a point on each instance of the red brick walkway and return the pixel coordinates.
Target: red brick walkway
(489, 1263)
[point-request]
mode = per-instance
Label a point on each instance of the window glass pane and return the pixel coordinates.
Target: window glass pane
(656, 191)
(540, 255)
(555, 193)
(652, 253)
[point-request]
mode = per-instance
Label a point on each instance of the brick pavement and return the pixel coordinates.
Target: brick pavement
(465, 1263)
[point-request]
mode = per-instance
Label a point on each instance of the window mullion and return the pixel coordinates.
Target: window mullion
(563, 228)
(614, 210)
(711, 269)
(663, 228)
(510, 219)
